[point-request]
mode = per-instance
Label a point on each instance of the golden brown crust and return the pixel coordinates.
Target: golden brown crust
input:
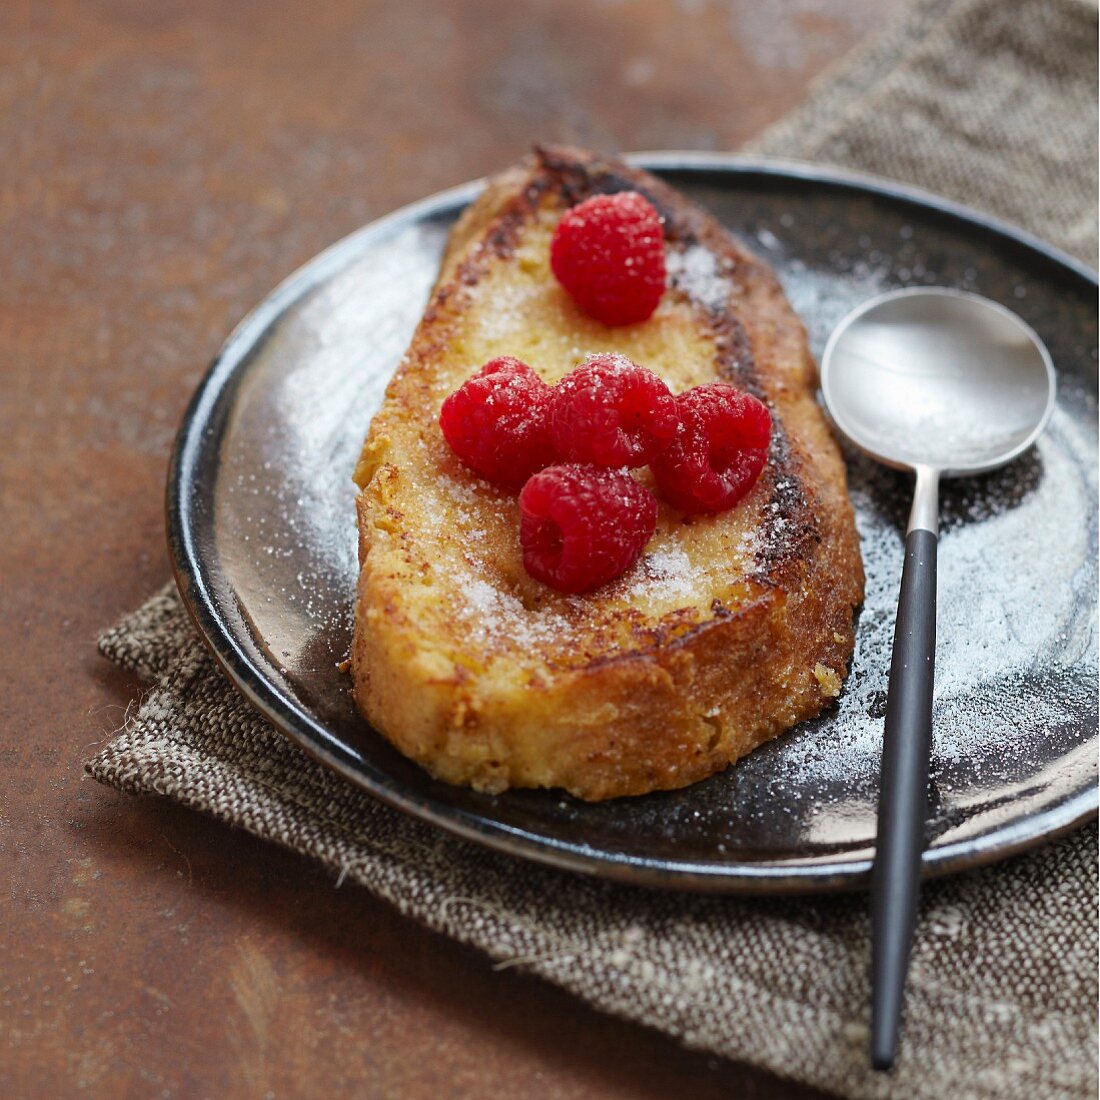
(732, 628)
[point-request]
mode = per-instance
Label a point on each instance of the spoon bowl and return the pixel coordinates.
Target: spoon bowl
(940, 378)
(942, 383)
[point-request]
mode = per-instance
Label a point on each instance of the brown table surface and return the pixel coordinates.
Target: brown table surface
(162, 165)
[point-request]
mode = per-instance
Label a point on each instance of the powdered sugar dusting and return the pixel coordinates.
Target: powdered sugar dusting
(666, 574)
(509, 317)
(496, 616)
(696, 271)
(997, 530)
(992, 538)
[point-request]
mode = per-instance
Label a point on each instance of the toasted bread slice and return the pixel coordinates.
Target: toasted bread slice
(729, 630)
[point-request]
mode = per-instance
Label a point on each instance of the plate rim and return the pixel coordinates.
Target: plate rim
(193, 573)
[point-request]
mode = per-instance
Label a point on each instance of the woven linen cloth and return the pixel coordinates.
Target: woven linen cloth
(982, 100)
(992, 104)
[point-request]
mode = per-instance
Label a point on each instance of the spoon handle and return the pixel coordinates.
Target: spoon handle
(903, 793)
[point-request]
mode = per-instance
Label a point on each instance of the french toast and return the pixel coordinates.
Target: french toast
(730, 629)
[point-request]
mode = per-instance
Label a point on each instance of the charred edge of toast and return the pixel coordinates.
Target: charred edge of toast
(575, 175)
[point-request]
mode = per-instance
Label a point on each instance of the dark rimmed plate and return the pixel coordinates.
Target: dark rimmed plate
(261, 525)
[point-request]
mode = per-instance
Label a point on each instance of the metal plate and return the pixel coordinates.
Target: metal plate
(261, 525)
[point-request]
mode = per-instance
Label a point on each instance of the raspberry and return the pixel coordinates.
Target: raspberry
(718, 452)
(609, 253)
(496, 422)
(582, 526)
(611, 412)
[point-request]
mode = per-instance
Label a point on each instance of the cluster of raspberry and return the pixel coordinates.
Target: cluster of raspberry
(584, 520)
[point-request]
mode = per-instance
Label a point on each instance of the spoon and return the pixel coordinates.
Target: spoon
(943, 384)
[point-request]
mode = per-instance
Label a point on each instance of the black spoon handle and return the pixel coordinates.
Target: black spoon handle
(903, 793)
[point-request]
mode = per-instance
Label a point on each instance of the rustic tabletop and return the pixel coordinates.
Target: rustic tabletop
(163, 165)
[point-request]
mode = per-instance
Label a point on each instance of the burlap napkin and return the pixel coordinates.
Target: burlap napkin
(992, 103)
